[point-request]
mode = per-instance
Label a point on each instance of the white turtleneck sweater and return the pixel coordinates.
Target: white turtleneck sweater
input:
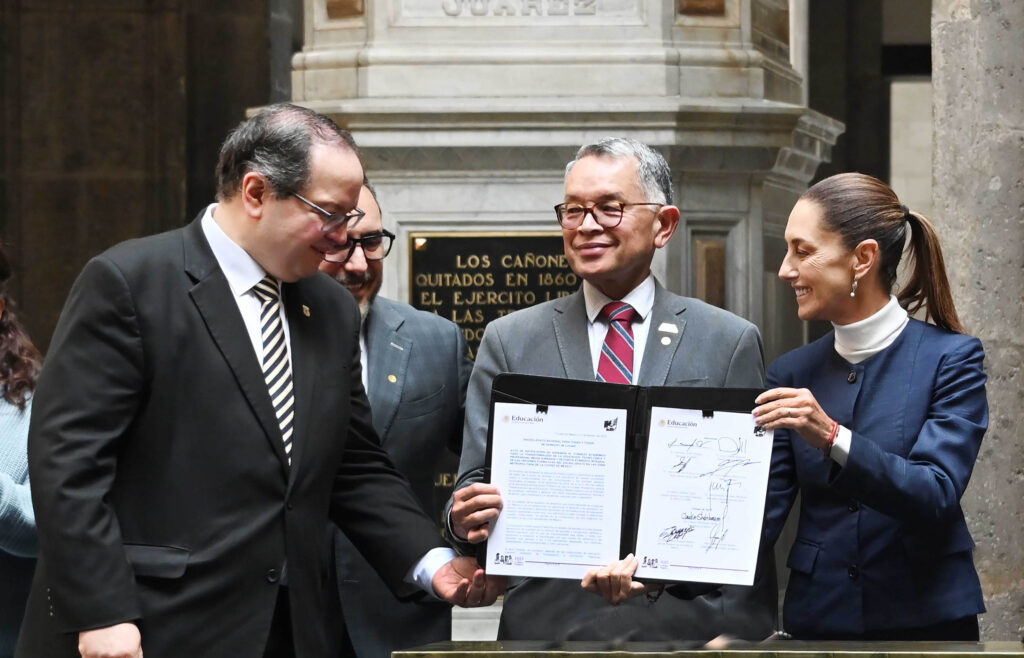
(859, 340)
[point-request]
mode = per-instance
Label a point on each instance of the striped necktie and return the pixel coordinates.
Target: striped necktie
(616, 362)
(276, 368)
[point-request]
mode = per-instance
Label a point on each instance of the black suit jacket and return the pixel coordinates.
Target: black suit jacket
(418, 368)
(159, 479)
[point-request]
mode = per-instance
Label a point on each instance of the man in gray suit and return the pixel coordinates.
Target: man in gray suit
(618, 210)
(415, 370)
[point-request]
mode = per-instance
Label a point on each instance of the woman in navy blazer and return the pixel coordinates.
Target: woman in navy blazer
(877, 425)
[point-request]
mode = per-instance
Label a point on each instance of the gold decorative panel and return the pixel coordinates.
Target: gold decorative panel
(702, 7)
(344, 8)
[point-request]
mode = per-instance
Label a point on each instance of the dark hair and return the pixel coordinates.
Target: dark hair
(19, 358)
(860, 207)
(652, 171)
(275, 142)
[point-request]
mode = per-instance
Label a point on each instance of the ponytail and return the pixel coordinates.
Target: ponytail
(929, 285)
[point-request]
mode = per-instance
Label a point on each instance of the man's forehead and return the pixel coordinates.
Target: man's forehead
(372, 222)
(618, 171)
(335, 161)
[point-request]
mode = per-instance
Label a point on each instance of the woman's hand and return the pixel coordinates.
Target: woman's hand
(794, 409)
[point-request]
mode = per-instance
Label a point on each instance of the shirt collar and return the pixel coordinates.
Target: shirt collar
(241, 271)
(640, 298)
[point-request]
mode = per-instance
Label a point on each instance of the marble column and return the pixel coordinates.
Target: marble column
(978, 183)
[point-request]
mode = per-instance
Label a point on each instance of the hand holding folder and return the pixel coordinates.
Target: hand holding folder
(592, 472)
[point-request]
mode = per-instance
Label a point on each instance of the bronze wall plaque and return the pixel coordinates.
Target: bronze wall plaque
(344, 9)
(702, 7)
(473, 278)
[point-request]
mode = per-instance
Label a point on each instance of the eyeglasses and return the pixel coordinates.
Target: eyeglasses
(606, 213)
(375, 246)
(332, 220)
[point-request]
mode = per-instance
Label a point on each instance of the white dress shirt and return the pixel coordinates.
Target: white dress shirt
(640, 298)
(242, 273)
(859, 340)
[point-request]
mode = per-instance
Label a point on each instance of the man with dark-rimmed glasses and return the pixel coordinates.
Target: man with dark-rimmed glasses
(415, 371)
(616, 213)
(203, 419)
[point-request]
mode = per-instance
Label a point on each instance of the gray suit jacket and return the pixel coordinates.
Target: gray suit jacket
(710, 348)
(417, 372)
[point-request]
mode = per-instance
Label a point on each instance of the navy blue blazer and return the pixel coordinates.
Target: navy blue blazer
(882, 542)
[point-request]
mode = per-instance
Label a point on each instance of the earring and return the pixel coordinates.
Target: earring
(853, 292)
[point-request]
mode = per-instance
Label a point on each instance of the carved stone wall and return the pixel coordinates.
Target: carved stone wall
(466, 112)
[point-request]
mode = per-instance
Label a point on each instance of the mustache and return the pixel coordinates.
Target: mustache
(349, 279)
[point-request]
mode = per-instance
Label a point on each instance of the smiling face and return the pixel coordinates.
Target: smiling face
(614, 260)
(362, 277)
(818, 266)
(289, 241)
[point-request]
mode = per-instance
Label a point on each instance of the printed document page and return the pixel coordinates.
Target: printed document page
(560, 473)
(703, 497)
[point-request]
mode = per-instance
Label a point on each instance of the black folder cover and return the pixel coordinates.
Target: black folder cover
(637, 401)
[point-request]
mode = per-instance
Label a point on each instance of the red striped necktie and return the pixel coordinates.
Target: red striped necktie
(616, 362)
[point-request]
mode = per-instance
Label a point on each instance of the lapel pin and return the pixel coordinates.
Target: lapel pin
(392, 379)
(665, 340)
(668, 328)
(305, 310)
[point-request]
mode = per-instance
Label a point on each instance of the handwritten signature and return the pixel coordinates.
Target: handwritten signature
(726, 466)
(724, 444)
(675, 533)
(682, 464)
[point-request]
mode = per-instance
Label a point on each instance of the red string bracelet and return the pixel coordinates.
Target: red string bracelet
(831, 439)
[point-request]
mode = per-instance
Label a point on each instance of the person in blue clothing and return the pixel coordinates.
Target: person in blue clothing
(877, 426)
(19, 367)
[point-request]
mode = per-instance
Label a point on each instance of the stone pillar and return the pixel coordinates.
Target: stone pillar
(978, 183)
(466, 112)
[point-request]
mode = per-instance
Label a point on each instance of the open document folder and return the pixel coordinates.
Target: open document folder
(589, 472)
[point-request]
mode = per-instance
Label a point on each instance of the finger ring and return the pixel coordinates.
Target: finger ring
(788, 412)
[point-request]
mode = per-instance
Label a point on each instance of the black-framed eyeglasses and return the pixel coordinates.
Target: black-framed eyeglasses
(606, 213)
(332, 220)
(375, 246)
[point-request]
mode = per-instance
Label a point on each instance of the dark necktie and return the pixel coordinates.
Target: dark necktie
(276, 368)
(616, 362)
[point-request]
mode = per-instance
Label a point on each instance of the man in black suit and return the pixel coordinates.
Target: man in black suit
(415, 370)
(200, 418)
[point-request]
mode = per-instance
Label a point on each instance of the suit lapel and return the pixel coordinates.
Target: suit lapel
(662, 341)
(387, 362)
(570, 324)
(212, 297)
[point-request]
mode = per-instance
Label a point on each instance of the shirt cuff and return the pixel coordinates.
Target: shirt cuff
(422, 573)
(841, 446)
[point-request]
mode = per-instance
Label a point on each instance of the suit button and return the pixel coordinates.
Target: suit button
(272, 575)
(853, 572)
(852, 377)
(289, 507)
(854, 506)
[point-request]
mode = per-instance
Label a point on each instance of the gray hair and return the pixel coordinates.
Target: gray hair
(652, 171)
(275, 143)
